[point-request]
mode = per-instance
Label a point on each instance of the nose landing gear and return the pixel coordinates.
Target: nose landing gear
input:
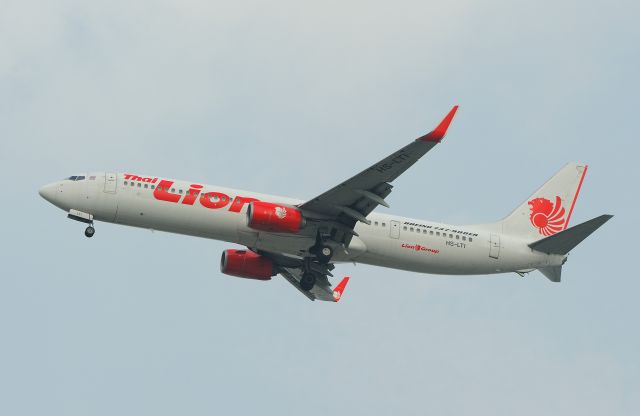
(84, 217)
(89, 231)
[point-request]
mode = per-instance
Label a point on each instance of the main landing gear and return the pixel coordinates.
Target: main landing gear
(312, 270)
(321, 250)
(307, 281)
(324, 254)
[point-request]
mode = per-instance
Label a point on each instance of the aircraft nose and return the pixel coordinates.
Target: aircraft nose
(48, 192)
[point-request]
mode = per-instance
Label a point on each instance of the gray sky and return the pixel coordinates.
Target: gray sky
(291, 98)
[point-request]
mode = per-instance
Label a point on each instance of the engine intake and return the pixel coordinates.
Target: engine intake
(246, 264)
(265, 216)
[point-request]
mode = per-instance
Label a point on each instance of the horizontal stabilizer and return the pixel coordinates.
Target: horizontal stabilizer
(564, 241)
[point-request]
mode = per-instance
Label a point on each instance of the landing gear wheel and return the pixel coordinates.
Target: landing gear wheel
(307, 281)
(324, 254)
(89, 231)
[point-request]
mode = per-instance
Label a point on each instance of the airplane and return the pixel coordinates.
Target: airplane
(303, 240)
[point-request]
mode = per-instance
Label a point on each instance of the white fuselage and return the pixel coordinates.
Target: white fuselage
(220, 213)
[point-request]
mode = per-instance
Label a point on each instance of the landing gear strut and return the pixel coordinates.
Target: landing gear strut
(324, 254)
(322, 251)
(89, 231)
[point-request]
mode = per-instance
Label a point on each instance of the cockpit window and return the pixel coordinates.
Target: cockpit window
(75, 178)
(72, 178)
(80, 178)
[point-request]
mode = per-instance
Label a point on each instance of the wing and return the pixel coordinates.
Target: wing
(343, 206)
(334, 214)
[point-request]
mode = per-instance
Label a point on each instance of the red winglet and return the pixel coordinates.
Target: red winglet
(337, 292)
(438, 133)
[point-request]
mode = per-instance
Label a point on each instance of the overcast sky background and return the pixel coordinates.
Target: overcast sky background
(291, 98)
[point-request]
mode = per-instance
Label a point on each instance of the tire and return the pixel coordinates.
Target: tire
(89, 232)
(307, 281)
(324, 254)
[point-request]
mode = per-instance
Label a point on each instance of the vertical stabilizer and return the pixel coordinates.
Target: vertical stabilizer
(552, 273)
(549, 209)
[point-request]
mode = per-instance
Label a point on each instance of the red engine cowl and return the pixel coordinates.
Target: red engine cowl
(275, 218)
(247, 264)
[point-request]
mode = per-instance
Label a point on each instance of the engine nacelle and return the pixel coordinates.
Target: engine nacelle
(247, 264)
(265, 216)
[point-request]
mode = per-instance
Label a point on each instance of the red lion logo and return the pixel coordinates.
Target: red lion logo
(547, 217)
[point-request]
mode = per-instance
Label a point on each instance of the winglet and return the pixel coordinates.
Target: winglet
(438, 133)
(337, 291)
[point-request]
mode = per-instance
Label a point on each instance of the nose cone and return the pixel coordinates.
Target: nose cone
(48, 192)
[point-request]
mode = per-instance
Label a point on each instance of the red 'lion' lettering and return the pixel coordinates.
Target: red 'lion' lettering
(162, 192)
(192, 194)
(211, 200)
(214, 200)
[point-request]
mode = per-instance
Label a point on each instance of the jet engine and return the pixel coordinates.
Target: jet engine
(265, 216)
(247, 264)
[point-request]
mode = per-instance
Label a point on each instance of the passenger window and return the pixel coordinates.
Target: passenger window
(430, 232)
(424, 231)
(411, 229)
(457, 237)
(438, 234)
(173, 190)
(139, 185)
(464, 238)
(450, 235)
(470, 239)
(180, 191)
(126, 183)
(404, 228)
(376, 223)
(384, 225)
(153, 187)
(146, 186)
